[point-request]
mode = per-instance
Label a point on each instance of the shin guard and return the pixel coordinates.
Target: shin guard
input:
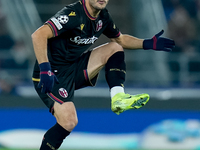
(54, 137)
(115, 70)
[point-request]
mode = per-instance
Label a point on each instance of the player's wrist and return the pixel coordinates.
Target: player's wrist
(148, 44)
(45, 66)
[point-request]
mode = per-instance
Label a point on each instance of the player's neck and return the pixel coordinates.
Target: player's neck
(92, 11)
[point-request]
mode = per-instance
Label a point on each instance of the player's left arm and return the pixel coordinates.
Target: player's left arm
(156, 42)
(128, 41)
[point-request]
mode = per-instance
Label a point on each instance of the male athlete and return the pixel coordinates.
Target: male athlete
(65, 64)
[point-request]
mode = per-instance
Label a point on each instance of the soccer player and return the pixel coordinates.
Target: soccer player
(65, 63)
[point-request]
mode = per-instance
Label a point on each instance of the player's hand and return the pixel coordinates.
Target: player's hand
(47, 78)
(159, 43)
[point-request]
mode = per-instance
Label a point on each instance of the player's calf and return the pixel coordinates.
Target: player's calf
(54, 137)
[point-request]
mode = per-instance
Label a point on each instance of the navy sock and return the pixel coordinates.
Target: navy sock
(115, 70)
(54, 137)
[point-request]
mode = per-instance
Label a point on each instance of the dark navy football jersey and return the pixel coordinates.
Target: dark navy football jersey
(75, 30)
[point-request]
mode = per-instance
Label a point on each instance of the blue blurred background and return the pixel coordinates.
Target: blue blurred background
(172, 79)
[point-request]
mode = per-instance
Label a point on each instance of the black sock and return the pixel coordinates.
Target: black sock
(54, 137)
(115, 70)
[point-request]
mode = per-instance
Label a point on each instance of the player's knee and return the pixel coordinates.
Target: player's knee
(71, 124)
(66, 115)
(68, 123)
(116, 47)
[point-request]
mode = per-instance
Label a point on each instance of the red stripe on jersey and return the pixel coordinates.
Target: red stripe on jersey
(53, 27)
(118, 34)
(86, 11)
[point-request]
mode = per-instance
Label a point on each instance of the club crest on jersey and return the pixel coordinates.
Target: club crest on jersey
(63, 92)
(63, 19)
(99, 25)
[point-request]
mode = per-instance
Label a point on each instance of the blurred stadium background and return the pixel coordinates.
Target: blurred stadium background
(171, 120)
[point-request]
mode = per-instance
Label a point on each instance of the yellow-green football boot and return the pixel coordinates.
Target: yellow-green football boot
(122, 102)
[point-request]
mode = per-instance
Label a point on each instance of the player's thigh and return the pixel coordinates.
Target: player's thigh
(91, 62)
(99, 56)
(62, 91)
(66, 115)
(81, 77)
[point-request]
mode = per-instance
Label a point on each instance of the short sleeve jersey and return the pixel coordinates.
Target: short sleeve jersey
(75, 30)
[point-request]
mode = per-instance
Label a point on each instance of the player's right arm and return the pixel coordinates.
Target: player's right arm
(39, 39)
(47, 77)
(56, 25)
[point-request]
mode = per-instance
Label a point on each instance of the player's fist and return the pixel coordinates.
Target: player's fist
(159, 43)
(47, 78)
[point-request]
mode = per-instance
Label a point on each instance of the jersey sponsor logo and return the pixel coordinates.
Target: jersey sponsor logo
(85, 41)
(63, 19)
(99, 25)
(63, 92)
(72, 14)
(57, 23)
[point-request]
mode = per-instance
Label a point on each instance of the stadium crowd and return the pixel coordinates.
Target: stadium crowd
(183, 18)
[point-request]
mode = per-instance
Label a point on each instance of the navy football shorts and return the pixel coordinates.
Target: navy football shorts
(71, 77)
